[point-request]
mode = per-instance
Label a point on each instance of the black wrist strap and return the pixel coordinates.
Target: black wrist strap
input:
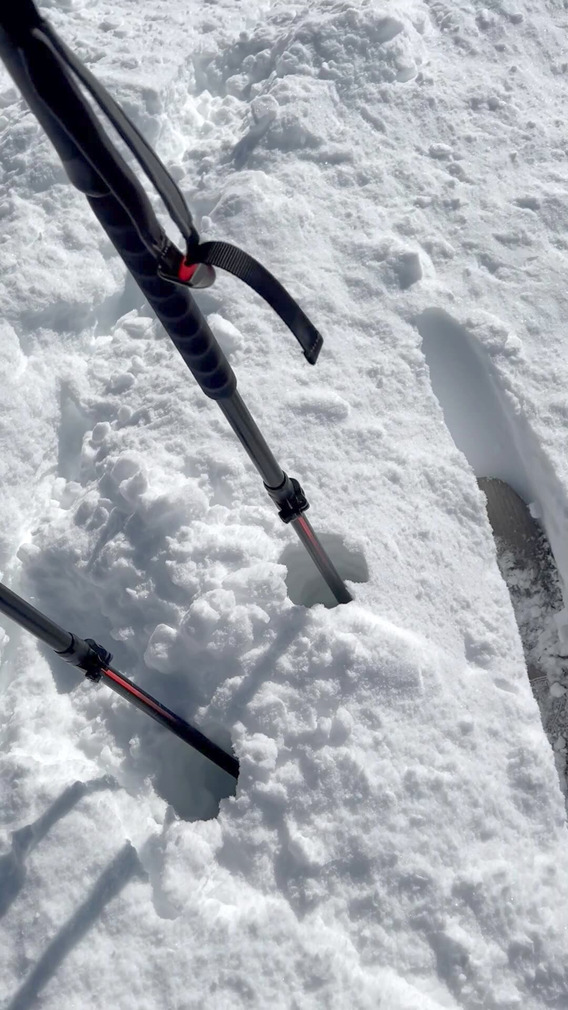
(145, 155)
(240, 264)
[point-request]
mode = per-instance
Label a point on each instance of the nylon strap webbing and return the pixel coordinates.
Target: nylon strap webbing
(246, 268)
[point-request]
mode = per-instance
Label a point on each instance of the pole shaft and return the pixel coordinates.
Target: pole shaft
(80, 653)
(148, 704)
(250, 437)
(321, 559)
(32, 620)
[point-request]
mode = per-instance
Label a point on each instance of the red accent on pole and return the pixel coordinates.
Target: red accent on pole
(308, 531)
(138, 694)
(186, 271)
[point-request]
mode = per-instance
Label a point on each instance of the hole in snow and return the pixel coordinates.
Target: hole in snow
(189, 782)
(305, 584)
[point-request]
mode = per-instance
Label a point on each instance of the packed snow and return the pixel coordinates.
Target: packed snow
(397, 836)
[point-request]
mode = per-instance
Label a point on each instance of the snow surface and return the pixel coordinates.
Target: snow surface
(398, 836)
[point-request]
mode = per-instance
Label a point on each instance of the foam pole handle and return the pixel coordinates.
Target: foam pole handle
(174, 305)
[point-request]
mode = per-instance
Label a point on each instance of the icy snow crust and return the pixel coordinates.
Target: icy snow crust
(398, 836)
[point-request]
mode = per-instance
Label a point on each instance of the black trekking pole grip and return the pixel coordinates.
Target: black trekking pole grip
(174, 305)
(18, 19)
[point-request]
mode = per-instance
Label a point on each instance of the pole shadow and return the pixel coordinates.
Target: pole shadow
(113, 879)
(12, 864)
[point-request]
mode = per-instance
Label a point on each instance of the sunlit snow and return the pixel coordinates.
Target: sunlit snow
(398, 835)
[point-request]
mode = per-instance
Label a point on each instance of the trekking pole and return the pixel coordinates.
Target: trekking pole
(95, 662)
(46, 72)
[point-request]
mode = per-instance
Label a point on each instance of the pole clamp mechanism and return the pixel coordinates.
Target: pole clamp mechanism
(289, 498)
(87, 655)
(97, 661)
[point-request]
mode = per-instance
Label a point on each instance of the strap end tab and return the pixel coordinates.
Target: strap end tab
(311, 354)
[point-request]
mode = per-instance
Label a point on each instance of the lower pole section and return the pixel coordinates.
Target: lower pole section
(146, 703)
(94, 661)
(321, 559)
